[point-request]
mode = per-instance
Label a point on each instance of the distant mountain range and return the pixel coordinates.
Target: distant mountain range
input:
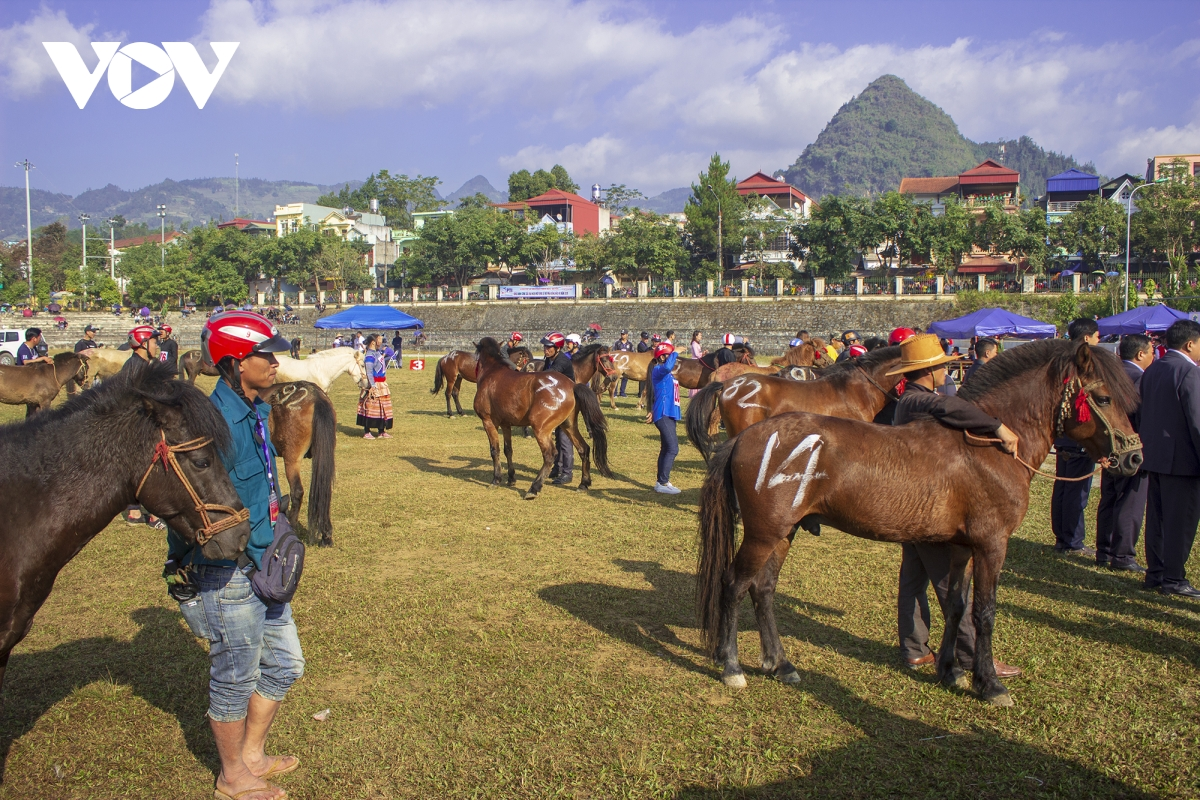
(889, 132)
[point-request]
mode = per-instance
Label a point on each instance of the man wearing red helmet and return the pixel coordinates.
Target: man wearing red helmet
(169, 348)
(254, 649)
(514, 340)
(558, 361)
(900, 335)
(143, 341)
(664, 412)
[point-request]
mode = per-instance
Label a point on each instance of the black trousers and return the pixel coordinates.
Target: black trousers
(1069, 500)
(1119, 517)
(668, 447)
(564, 460)
(1172, 512)
(921, 565)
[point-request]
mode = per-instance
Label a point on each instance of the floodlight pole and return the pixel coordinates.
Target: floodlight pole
(1128, 219)
(112, 250)
(28, 226)
(162, 216)
(83, 218)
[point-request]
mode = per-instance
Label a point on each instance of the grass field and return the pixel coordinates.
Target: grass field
(472, 644)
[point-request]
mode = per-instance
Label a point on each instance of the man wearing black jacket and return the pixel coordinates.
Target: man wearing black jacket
(1170, 431)
(1123, 499)
(558, 361)
(1069, 498)
(921, 564)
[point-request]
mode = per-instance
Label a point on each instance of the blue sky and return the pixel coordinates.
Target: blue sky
(639, 93)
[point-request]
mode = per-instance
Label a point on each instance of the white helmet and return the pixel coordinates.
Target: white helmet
(574, 337)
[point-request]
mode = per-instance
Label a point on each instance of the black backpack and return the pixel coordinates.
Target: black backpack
(282, 563)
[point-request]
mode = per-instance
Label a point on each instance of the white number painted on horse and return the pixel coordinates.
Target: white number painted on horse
(621, 360)
(558, 395)
(811, 444)
(743, 402)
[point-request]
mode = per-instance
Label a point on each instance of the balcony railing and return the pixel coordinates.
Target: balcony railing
(1061, 207)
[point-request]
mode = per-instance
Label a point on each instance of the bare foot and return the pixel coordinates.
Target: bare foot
(251, 788)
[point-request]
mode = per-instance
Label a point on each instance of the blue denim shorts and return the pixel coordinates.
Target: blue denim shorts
(253, 646)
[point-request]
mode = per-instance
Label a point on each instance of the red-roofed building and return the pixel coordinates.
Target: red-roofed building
(123, 244)
(782, 194)
(252, 227)
(570, 212)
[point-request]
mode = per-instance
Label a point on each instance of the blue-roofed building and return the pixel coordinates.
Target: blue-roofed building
(1066, 190)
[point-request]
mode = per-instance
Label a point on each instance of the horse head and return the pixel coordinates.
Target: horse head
(70, 369)
(487, 350)
(520, 356)
(1097, 399)
(180, 433)
(358, 369)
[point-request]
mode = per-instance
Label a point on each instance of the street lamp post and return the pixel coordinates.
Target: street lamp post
(720, 225)
(112, 249)
(83, 218)
(162, 217)
(28, 226)
(1128, 218)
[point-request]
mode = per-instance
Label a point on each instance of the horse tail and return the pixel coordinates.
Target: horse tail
(700, 410)
(320, 490)
(718, 521)
(597, 426)
(437, 378)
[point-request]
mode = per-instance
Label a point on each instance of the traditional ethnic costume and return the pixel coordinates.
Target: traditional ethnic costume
(375, 405)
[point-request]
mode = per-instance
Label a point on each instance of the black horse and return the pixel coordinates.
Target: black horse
(71, 470)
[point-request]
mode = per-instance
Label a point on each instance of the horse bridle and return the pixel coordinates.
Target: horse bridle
(886, 393)
(1077, 402)
(166, 453)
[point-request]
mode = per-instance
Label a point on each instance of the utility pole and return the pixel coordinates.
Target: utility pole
(1128, 219)
(83, 218)
(236, 198)
(162, 216)
(28, 226)
(112, 249)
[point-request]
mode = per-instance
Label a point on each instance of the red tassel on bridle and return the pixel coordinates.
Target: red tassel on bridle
(1083, 413)
(162, 451)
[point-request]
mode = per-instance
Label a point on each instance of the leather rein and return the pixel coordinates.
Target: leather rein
(166, 453)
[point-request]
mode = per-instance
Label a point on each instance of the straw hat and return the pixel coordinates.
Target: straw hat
(920, 351)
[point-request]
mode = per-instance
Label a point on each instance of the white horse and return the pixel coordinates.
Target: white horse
(323, 371)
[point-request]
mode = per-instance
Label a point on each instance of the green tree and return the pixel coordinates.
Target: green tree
(151, 282)
(646, 244)
(714, 200)
(1095, 229)
(398, 196)
(764, 225)
(1024, 237)
(830, 240)
(949, 236)
(523, 185)
(458, 246)
(543, 246)
(1167, 222)
(618, 198)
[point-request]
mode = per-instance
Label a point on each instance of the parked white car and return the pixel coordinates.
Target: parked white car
(10, 340)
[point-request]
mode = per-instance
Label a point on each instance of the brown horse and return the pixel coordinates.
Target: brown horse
(304, 425)
(691, 373)
(592, 361)
(695, 373)
(192, 364)
(854, 389)
(921, 482)
(459, 365)
(543, 401)
(36, 385)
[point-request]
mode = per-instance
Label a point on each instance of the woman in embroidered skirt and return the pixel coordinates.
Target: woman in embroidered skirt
(375, 405)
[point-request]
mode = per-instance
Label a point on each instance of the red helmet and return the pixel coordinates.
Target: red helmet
(900, 334)
(663, 349)
(857, 350)
(516, 337)
(238, 334)
(142, 334)
(553, 339)
(166, 329)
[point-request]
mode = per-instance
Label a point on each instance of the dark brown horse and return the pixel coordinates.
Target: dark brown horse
(459, 365)
(542, 401)
(192, 364)
(695, 373)
(591, 361)
(921, 482)
(36, 385)
(71, 470)
(304, 425)
(854, 389)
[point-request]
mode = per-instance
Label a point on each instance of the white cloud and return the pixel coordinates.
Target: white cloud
(609, 92)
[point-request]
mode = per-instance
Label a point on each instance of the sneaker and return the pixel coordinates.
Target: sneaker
(666, 488)
(385, 435)
(368, 435)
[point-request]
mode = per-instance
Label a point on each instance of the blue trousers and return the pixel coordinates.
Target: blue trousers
(1068, 502)
(668, 449)
(564, 461)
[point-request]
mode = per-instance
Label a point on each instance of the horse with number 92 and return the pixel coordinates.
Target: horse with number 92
(921, 482)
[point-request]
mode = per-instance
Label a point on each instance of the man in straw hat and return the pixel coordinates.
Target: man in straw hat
(922, 363)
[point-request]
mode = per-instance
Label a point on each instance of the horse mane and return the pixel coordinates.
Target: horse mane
(487, 346)
(528, 353)
(879, 357)
(155, 381)
(743, 348)
(1060, 355)
(587, 351)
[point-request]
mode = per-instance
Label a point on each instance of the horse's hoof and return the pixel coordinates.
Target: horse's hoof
(791, 676)
(735, 680)
(511, 484)
(1001, 700)
(325, 543)
(963, 682)
(530, 495)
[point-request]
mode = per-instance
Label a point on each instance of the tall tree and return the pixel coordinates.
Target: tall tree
(715, 214)
(764, 225)
(950, 236)
(829, 241)
(398, 195)
(618, 198)
(1095, 228)
(1167, 220)
(523, 185)
(646, 244)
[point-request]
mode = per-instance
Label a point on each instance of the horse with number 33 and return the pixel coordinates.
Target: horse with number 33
(919, 482)
(542, 401)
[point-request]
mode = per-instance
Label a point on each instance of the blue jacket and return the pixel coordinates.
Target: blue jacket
(1170, 416)
(666, 389)
(248, 471)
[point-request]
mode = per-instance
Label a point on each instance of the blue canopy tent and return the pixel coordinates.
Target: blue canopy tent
(992, 322)
(1137, 320)
(374, 318)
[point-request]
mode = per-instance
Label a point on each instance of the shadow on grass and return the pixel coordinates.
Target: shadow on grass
(467, 412)
(901, 757)
(163, 664)
(645, 618)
